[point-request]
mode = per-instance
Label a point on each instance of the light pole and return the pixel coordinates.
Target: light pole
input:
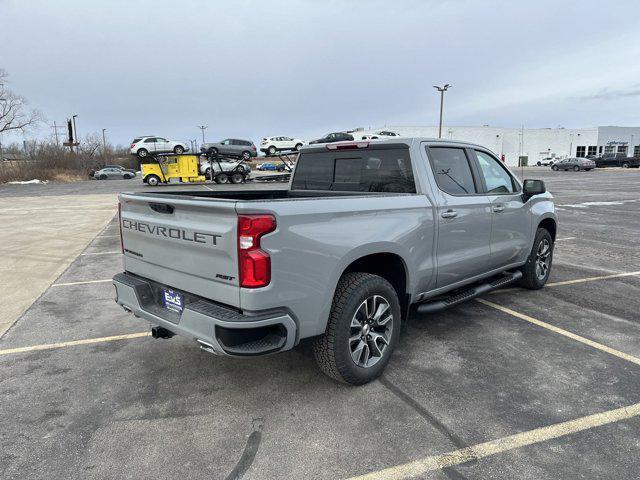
(203, 128)
(104, 142)
(442, 89)
(75, 132)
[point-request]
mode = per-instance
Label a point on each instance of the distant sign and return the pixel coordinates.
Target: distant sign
(616, 142)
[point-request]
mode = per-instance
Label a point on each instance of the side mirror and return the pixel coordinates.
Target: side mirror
(533, 187)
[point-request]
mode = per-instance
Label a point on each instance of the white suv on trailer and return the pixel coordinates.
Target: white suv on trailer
(143, 146)
(272, 145)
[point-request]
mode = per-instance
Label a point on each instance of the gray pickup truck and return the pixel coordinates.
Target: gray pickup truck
(365, 231)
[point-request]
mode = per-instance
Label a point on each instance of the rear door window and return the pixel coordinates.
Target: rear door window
(452, 170)
(355, 171)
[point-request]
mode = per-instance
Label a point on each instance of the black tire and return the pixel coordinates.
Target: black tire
(555, 168)
(539, 164)
(280, 168)
(127, 176)
(625, 165)
(178, 150)
(237, 177)
(298, 147)
(531, 277)
(576, 168)
(588, 169)
(142, 153)
(207, 173)
(222, 178)
(332, 350)
(153, 180)
(272, 150)
(103, 177)
(212, 151)
(246, 155)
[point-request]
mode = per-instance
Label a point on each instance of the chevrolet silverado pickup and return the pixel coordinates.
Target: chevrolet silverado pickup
(365, 233)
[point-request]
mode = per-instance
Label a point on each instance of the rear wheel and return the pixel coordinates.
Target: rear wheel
(103, 177)
(625, 165)
(127, 176)
(362, 331)
(237, 178)
(153, 180)
(555, 168)
(143, 153)
(272, 150)
(298, 146)
(539, 164)
(246, 155)
(207, 173)
(576, 168)
(212, 151)
(178, 150)
(222, 178)
(535, 272)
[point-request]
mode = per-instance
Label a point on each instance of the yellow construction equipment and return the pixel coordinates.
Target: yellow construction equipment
(172, 169)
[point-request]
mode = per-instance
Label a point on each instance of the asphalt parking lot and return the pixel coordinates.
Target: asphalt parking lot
(518, 384)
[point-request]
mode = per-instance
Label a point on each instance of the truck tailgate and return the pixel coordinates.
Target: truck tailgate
(185, 243)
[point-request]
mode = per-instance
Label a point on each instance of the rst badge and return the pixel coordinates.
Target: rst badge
(172, 300)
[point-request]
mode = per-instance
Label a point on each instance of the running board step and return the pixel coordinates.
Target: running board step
(473, 292)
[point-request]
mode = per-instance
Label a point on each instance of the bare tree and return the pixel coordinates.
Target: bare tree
(15, 113)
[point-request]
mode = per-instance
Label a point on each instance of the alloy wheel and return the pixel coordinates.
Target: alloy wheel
(371, 329)
(543, 258)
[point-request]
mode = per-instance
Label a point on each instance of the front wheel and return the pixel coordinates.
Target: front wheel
(178, 150)
(539, 164)
(576, 168)
(272, 150)
(142, 153)
(362, 331)
(298, 147)
(103, 177)
(222, 178)
(153, 180)
(625, 165)
(535, 272)
(246, 155)
(555, 168)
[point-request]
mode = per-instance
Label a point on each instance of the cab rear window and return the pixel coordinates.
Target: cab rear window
(361, 170)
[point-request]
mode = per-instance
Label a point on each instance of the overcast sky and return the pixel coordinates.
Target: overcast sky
(302, 68)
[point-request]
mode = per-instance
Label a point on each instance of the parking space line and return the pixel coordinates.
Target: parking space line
(565, 238)
(84, 282)
(592, 279)
(504, 444)
(107, 236)
(86, 341)
(101, 253)
(561, 331)
(572, 282)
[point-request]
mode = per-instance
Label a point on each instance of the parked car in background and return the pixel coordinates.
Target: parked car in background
(333, 137)
(272, 145)
(110, 173)
(546, 161)
(231, 146)
(271, 166)
(575, 164)
(387, 133)
(617, 160)
(120, 167)
(143, 146)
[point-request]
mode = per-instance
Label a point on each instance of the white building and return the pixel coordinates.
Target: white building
(535, 143)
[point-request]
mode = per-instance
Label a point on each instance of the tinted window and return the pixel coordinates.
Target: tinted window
(136, 140)
(495, 176)
(355, 171)
(452, 170)
(150, 140)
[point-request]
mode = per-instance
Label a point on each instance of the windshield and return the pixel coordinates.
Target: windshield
(361, 170)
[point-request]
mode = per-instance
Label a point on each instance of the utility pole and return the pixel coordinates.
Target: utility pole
(104, 143)
(75, 130)
(441, 89)
(55, 132)
(203, 128)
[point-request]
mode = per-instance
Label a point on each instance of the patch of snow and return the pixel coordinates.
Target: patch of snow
(35, 181)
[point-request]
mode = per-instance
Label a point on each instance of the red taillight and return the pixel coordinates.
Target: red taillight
(253, 147)
(254, 264)
(133, 145)
(120, 226)
(347, 146)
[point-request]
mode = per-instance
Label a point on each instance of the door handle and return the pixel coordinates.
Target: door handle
(498, 208)
(449, 214)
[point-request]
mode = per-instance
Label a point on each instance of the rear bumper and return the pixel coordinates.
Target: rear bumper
(216, 328)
